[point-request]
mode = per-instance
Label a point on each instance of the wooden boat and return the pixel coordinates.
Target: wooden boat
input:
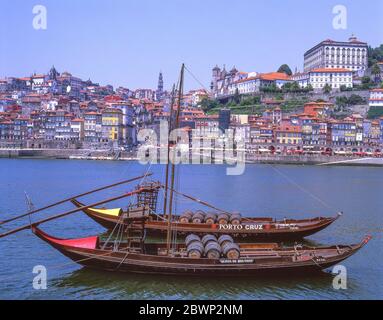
(259, 229)
(255, 259)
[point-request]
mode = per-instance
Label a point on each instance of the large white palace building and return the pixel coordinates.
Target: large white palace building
(350, 55)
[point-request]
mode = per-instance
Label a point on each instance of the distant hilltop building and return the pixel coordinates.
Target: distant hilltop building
(222, 79)
(350, 55)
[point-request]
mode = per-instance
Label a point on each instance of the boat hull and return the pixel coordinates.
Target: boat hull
(126, 262)
(255, 230)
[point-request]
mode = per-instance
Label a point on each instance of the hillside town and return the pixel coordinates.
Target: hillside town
(333, 106)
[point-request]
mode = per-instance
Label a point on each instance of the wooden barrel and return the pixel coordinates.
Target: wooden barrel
(195, 250)
(198, 217)
(186, 216)
(210, 218)
(208, 238)
(192, 238)
(222, 218)
(213, 250)
(235, 218)
(231, 250)
(222, 240)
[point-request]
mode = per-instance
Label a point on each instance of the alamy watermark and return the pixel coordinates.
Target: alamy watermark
(340, 19)
(192, 147)
(340, 280)
(40, 280)
(40, 19)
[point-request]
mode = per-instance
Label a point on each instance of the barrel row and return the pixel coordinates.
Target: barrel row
(210, 247)
(210, 217)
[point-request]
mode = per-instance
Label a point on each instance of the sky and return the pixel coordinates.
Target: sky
(128, 42)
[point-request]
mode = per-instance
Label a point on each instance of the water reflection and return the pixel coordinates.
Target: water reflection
(132, 286)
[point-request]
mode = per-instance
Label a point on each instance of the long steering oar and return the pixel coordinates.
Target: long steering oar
(76, 196)
(72, 211)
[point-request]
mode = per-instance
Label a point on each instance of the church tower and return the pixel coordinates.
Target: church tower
(160, 87)
(53, 74)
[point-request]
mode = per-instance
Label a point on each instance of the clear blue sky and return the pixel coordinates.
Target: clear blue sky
(127, 42)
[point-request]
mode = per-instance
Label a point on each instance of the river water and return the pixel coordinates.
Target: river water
(263, 190)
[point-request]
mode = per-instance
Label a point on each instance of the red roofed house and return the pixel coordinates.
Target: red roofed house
(318, 109)
(286, 134)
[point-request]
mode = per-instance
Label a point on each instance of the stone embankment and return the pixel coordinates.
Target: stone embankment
(83, 154)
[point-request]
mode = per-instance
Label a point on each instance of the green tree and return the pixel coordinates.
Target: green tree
(375, 71)
(355, 99)
(208, 104)
(285, 69)
(366, 83)
(237, 97)
(341, 103)
(375, 55)
(327, 88)
(295, 87)
(375, 112)
(309, 87)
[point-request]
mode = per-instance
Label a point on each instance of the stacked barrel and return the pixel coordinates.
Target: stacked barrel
(200, 216)
(210, 247)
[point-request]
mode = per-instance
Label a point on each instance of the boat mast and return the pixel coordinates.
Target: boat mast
(168, 150)
(174, 143)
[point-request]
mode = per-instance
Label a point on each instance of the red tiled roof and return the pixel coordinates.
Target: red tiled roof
(274, 76)
(295, 129)
(330, 70)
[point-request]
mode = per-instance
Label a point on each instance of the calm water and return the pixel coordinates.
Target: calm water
(262, 190)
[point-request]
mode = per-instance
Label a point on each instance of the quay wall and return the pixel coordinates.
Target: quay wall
(84, 154)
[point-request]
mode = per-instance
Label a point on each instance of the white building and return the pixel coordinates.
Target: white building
(197, 96)
(302, 78)
(336, 54)
(38, 81)
(247, 85)
(376, 98)
(336, 78)
(263, 80)
(147, 94)
(222, 80)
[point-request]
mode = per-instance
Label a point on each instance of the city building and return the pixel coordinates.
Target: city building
(301, 78)
(224, 119)
(350, 55)
(112, 125)
(222, 79)
(336, 78)
(257, 83)
(344, 132)
(92, 127)
(286, 134)
(320, 110)
(376, 98)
